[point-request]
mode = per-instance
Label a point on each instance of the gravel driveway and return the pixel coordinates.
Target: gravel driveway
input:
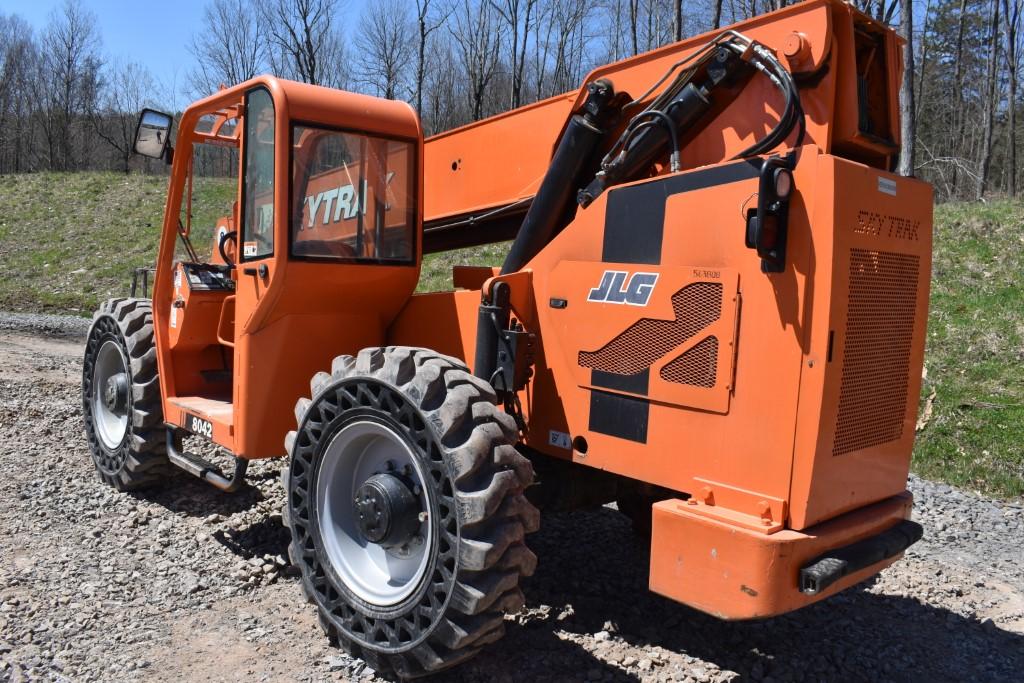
(189, 583)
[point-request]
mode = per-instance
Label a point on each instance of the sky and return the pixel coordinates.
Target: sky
(154, 34)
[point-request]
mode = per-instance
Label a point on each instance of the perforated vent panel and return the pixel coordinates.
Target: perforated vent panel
(697, 366)
(876, 349)
(696, 306)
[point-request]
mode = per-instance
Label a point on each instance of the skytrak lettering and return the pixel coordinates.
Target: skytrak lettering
(338, 203)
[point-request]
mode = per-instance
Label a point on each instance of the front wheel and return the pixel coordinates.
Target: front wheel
(406, 509)
(121, 396)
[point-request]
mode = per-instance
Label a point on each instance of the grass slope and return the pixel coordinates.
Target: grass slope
(71, 240)
(974, 387)
(68, 241)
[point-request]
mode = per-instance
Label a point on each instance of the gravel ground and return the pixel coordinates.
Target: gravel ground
(45, 324)
(188, 583)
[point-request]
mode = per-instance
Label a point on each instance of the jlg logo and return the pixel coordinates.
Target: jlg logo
(614, 288)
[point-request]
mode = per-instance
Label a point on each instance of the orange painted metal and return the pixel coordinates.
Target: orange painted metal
(775, 437)
(289, 323)
(782, 404)
(723, 568)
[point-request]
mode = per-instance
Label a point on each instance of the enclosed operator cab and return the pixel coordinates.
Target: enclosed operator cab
(318, 247)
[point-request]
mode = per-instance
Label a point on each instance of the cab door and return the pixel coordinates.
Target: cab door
(259, 260)
(329, 235)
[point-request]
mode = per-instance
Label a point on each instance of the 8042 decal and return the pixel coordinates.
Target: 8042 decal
(197, 425)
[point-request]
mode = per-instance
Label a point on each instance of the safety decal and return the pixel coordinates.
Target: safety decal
(559, 440)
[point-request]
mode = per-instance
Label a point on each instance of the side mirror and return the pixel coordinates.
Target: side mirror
(153, 133)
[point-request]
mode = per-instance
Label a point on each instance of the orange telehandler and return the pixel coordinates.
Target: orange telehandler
(712, 313)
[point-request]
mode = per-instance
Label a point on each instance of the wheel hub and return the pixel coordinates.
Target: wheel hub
(109, 394)
(387, 511)
(115, 393)
(374, 511)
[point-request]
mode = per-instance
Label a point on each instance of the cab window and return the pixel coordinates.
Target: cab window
(353, 197)
(258, 176)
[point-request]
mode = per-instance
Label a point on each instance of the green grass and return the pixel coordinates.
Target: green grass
(71, 240)
(68, 241)
(974, 436)
(436, 273)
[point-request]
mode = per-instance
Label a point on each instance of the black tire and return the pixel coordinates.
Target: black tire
(140, 458)
(479, 513)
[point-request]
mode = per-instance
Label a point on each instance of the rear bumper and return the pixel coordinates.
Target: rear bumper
(735, 572)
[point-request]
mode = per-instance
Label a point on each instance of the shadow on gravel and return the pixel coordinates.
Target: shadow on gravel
(593, 570)
(196, 498)
(266, 537)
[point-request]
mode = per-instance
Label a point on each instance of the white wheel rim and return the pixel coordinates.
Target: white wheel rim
(376, 575)
(111, 423)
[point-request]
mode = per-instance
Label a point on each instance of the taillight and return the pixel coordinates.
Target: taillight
(766, 225)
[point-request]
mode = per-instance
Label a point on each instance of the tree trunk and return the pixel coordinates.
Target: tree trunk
(958, 70)
(990, 105)
(517, 79)
(634, 11)
(1011, 19)
(421, 16)
(908, 125)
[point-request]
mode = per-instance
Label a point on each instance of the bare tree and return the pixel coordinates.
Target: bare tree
(128, 88)
(231, 47)
(385, 47)
(426, 23)
(19, 57)
(990, 104)
(634, 23)
(304, 41)
(444, 95)
(568, 19)
(69, 73)
(516, 15)
(1011, 27)
(477, 36)
(716, 21)
(907, 110)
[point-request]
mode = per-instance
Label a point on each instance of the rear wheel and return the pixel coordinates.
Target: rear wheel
(406, 509)
(121, 396)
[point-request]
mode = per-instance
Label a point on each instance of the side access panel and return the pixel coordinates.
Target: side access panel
(861, 377)
(680, 352)
(607, 370)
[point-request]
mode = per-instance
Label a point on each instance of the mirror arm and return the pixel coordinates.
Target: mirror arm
(169, 154)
